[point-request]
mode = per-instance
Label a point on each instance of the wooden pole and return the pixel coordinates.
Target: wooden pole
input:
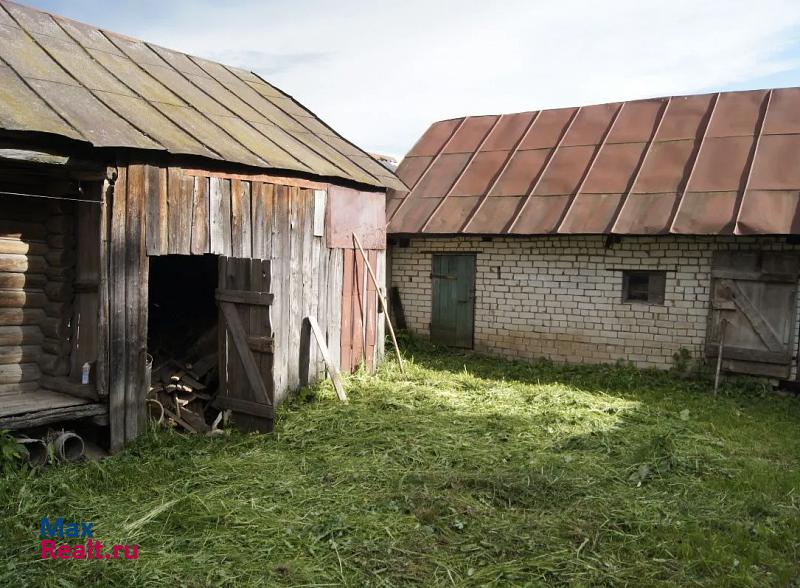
(323, 348)
(720, 348)
(383, 303)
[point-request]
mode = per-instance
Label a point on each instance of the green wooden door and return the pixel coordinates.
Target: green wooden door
(453, 300)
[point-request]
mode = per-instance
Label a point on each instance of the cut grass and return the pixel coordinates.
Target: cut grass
(468, 471)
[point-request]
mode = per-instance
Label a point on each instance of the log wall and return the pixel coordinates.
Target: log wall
(37, 260)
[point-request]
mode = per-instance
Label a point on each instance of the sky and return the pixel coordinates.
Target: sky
(380, 72)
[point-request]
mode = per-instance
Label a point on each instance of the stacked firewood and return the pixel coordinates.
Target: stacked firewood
(181, 393)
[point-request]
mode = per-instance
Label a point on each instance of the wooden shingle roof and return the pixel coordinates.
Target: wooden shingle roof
(66, 78)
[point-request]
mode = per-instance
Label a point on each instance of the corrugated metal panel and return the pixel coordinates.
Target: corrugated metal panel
(708, 164)
(67, 78)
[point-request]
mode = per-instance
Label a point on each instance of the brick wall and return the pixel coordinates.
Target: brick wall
(561, 297)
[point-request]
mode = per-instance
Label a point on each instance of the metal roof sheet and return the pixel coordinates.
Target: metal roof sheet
(709, 164)
(71, 79)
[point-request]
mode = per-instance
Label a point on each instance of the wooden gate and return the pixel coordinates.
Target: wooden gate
(246, 343)
(452, 314)
(753, 300)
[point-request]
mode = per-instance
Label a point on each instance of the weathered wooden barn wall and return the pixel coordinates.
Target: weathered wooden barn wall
(175, 211)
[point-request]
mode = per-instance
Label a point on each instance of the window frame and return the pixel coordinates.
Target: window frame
(656, 286)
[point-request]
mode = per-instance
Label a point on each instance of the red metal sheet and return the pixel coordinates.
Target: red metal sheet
(441, 176)
(410, 217)
(777, 163)
(591, 214)
(769, 213)
(684, 119)
(736, 114)
(614, 169)
(508, 131)
(392, 203)
(591, 124)
(435, 137)
(547, 129)
(518, 177)
(646, 214)
(706, 213)
(351, 211)
(565, 171)
(637, 121)
(411, 169)
(452, 215)
(470, 134)
(495, 215)
(636, 158)
(784, 112)
(666, 167)
(480, 173)
(541, 215)
(721, 164)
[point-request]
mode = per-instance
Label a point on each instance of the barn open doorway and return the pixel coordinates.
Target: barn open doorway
(182, 334)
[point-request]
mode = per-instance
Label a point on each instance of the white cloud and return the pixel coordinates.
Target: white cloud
(380, 72)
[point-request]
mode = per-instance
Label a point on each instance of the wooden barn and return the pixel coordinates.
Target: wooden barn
(630, 231)
(138, 183)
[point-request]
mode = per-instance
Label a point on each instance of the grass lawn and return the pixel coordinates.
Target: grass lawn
(467, 471)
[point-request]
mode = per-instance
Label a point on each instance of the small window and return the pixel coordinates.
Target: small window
(643, 286)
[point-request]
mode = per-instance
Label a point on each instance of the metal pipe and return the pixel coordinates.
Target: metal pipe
(35, 449)
(68, 446)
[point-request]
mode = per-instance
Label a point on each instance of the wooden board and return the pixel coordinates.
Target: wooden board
(759, 314)
(200, 220)
(247, 378)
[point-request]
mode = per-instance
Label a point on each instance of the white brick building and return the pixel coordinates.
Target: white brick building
(561, 297)
(627, 231)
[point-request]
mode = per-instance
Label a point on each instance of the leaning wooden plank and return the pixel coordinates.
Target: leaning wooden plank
(239, 338)
(383, 304)
(117, 309)
(326, 356)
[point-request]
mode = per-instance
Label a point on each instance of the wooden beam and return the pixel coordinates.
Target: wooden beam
(326, 356)
(45, 417)
(383, 304)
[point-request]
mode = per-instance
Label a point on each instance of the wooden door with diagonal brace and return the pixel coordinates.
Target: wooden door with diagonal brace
(246, 343)
(753, 298)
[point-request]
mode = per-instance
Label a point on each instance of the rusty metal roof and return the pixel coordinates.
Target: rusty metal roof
(66, 78)
(724, 163)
